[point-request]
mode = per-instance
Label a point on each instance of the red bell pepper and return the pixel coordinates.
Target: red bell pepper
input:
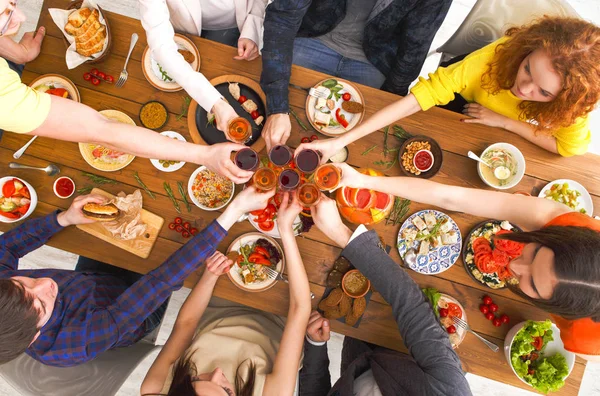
(23, 209)
(58, 92)
(8, 189)
(10, 215)
(341, 118)
(257, 258)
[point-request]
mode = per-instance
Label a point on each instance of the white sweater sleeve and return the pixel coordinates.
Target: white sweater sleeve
(253, 24)
(160, 35)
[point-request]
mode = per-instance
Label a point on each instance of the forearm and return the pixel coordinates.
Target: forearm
(527, 131)
(300, 302)
(13, 51)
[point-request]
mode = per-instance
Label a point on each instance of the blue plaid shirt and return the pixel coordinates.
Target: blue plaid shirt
(93, 312)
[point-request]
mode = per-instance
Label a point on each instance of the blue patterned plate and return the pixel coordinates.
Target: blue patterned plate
(438, 259)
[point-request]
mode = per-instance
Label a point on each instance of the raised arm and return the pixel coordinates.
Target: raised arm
(282, 380)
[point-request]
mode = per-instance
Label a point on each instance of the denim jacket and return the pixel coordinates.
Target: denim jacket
(396, 40)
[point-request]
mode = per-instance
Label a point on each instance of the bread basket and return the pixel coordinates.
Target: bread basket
(76, 5)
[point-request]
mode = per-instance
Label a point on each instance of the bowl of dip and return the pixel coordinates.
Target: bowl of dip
(423, 160)
(355, 284)
(507, 166)
(64, 187)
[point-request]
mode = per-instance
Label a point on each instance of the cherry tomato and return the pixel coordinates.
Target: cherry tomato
(95, 81)
(497, 322)
(346, 96)
(487, 300)
(313, 138)
(178, 228)
(94, 72)
(451, 329)
(242, 99)
(484, 309)
(504, 318)
(538, 343)
(87, 76)
(255, 114)
(493, 307)
(530, 371)
(454, 310)
(194, 231)
(305, 140)
(178, 220)
(443, 312)
(489, 316)
(187, 225)
(185, 234)
(109, 79)
(172, 226)
(101, 75)
(266, 225)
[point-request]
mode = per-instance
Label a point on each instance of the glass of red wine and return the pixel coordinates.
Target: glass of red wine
(247, 159)
(280, 155)
(289, 179)
(307, 161)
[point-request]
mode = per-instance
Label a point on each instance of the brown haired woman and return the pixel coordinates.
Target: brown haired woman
(258, 351)
(540, 81)
(559, 269)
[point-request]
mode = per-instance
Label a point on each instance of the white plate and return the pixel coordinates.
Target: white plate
(459, 330)
(438, 259)
(353, 119)
(275, 231)
(58, 81)
(171, 168)
(193, 197)
(585, 200)
(32, 193)
(234, 274)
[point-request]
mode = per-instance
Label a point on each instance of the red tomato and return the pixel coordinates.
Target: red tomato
(489, 316)
(346, 96)
(451, 329)
(262, 251)
(481, 241)
(87, 76)
(504, 318)
(194, 231)
(23, 209)
(94, 72)
(95, 81)
(493, 307)
(255, 114)
(178, 228)
(8, 189)
(242, 99)
(487, 300)
(185, 234)
(484, 309)
(10, 215)
(178, 220)
(443, 312)
(109, 79)
(497, 322)
(271, 209)
(101, 75)
(530, 371)
(538, 343)
(313, 138)
(257, 212)
(500, 257)
(305, 140)
(187, 225)
(266, 225)
(262, 217)
(454, 310)
(172, 226)
(277, 199)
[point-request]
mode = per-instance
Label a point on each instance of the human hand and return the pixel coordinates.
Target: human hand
(31, 43)
(288, 211)
(217, 265)
(327, 147)
(218, 159)
(74, 215)
(318, 328)
(252, 199)
(327, 219)
(247, 49)
(483, 115)
(277, 130)
(350, 176)
(224, 113)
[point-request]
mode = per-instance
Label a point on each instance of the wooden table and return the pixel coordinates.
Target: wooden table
(317, 251)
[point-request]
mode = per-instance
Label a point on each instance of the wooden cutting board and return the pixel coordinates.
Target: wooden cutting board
(142, 245)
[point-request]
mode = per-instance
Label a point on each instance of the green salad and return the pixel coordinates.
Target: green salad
(544, 373)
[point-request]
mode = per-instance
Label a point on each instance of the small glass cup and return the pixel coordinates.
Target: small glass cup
(307, 161)
(247, 159)
(280, 155)
(265, 179)
(289, 179)
(308, 194)
(328, 177)
(239, 130)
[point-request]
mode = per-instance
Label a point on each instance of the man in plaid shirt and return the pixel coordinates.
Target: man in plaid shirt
(65, 318)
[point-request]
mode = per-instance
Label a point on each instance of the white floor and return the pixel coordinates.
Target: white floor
(49, 257)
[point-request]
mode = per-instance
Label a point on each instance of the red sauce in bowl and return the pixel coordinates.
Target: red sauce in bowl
(423, 160)
(64, 187)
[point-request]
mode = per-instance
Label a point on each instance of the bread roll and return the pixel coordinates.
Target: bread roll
(78, 17)
(94, 44)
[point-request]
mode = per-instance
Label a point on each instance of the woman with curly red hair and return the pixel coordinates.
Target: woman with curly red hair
(539, 81)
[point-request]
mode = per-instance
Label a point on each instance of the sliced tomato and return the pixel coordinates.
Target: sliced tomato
(454, 310)
(277, 199)
(264, 216)
(8, 189)
(257, 212)
(538, 343)
(270, 209)
(262, 251)
(266, 225)
(479, 242)
(500, 257)
(503, 273)
(513, 249)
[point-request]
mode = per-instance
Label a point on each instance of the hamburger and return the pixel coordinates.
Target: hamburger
(99, 212)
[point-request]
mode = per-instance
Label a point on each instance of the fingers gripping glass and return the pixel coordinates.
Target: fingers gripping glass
(10, 13)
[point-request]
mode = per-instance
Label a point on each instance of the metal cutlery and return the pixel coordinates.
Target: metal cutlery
(50, 170)
(124, 75)
(464, 325)
(20, 151)
(272, 274)
(319, 92)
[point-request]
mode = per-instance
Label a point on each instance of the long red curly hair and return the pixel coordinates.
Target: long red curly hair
(573, 46)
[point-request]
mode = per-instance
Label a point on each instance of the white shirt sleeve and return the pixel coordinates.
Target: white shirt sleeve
(359, 230)
(253, 25)
(160, 35)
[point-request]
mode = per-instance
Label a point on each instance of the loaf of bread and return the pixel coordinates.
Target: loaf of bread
(94, 44)
(90, 35)
(77, 18)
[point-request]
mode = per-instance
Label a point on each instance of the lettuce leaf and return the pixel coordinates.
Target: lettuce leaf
(433, 295)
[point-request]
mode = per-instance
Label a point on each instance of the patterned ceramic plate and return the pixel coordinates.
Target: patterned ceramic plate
(438, 259)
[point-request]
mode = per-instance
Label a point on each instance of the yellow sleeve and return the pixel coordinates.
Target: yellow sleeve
(575, 139)
(22, 109)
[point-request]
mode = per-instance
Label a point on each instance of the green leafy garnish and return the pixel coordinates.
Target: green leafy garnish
(367, 151)
(184, 107)
(433, 295)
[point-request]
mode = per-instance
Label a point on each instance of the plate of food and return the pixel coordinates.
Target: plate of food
(157, 76)
(445, 308)
(208, 190)
(486, 259)
(538, 356)
(339, 110)
(420, 156)
(18, 199)
(247, 99)
(570, 193)
(251, 253)
(169, 165)
(103, 158)
(57, 85)
(506, 166)
(433, 238)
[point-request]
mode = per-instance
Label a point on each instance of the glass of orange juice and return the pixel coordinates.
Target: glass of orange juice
(308, 194)
(265, 179)
(239, 130)
(328, 177)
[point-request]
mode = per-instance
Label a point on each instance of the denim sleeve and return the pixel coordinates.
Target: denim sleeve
(282, 21)
(418, 28)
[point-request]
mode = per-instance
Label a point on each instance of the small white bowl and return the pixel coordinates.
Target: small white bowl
(430, 155)
(34, 199)
(516, 153)
(175, 167)
(554, 346)
(54, 187)
(193, 197)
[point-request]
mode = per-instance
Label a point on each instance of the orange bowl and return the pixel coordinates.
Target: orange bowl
(350, 274)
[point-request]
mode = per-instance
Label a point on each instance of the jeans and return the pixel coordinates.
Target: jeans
(85, 264)
(226, 36)
(313, 54)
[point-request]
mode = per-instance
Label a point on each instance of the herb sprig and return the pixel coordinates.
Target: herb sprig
(298, 120)
(184, 107)
(167, 188)
(98, 179)
(399, 211)
(184, 196)
(143, 185)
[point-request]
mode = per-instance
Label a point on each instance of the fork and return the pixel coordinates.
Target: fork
(124, 75)
(272, 274)
(464, 325)
(319, 92)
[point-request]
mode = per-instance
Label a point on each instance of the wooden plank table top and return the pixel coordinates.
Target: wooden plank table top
(318, 252)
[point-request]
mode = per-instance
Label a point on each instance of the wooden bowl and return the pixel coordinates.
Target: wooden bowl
(77, 4)
(436, 150)
(361, 294)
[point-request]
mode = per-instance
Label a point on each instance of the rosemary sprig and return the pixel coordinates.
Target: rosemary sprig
(400, 133)
(385, 138)
(143, 185)
(387, 164)
(367, 151)
(167, 188)
(98, 179)
(399, 211)
(298, 120)
(85, 190)
(184, 107)
(184, 196)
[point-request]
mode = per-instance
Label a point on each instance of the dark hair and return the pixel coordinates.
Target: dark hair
(577, 267)
(18, 320)
(185, 370)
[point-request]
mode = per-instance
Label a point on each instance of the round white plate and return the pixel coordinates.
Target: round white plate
(32, 193)
(58, 81)
(585, 200)
(438, 259)
(459, 330)
(193, 197)
(171, 168)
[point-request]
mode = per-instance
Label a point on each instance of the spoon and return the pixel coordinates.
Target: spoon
(501, 172)
(20, 151)
(474, 156)
(410, 258)
(50, 170)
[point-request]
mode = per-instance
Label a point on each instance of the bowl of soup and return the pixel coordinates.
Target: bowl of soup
(507, 166)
